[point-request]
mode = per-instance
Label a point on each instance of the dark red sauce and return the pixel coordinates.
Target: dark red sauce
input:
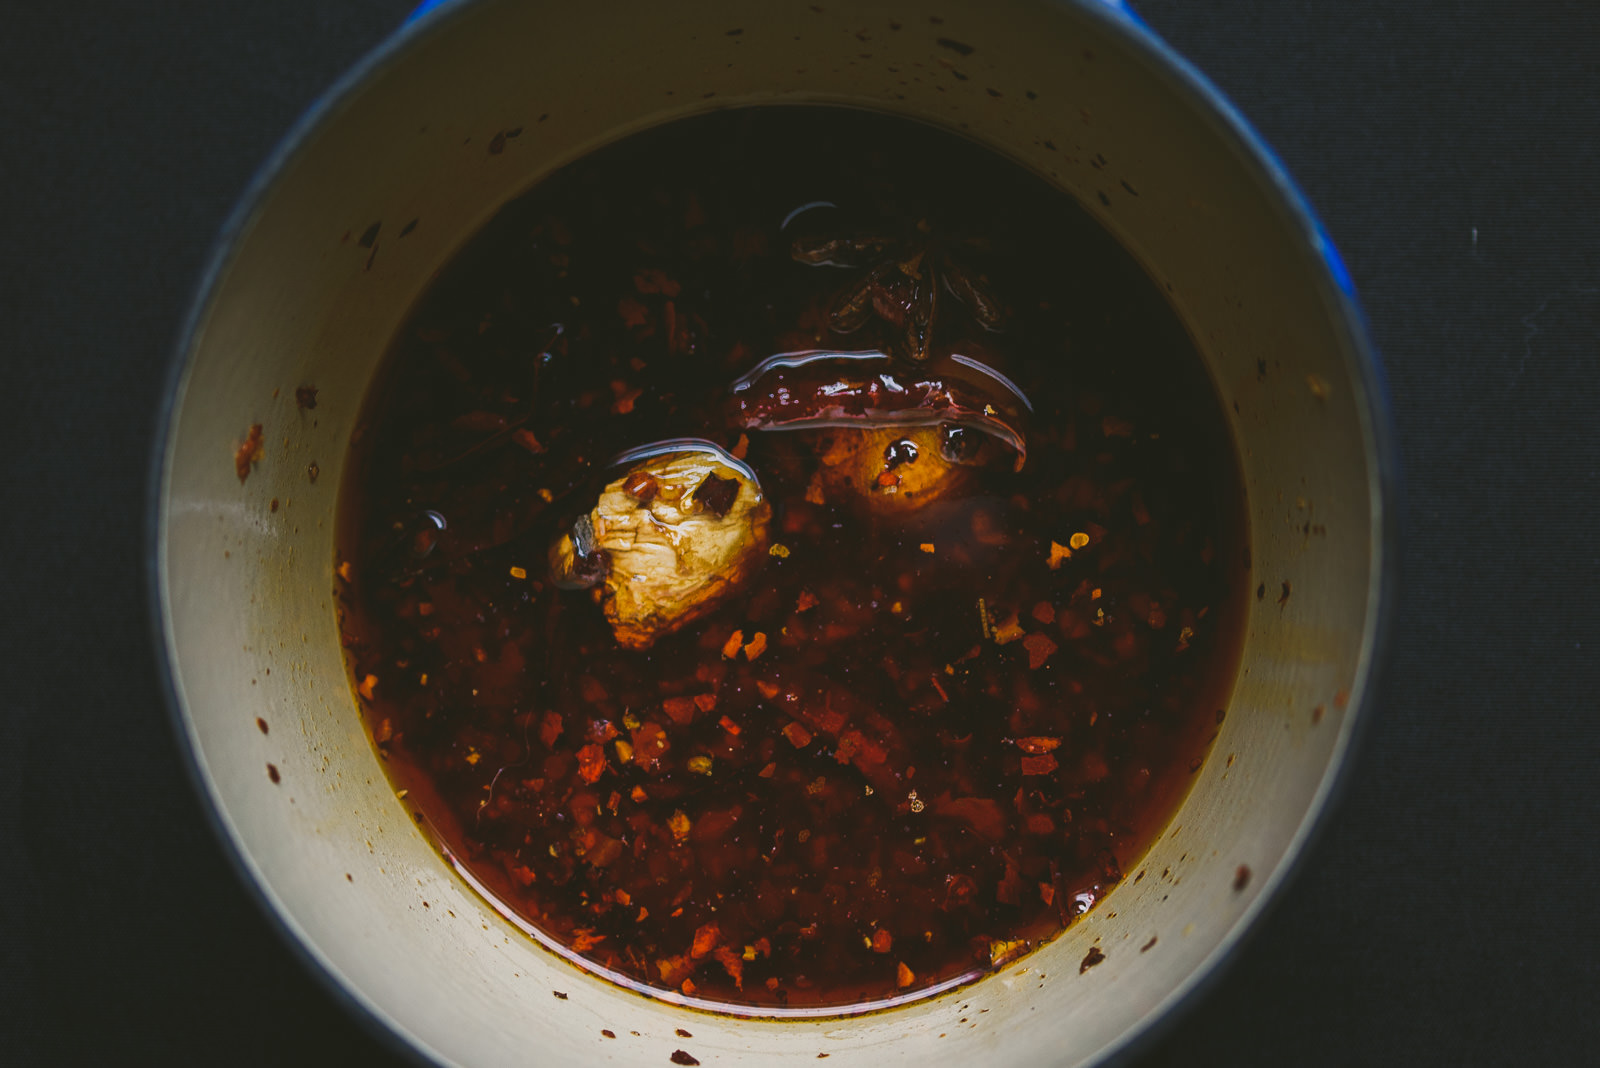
(909, 746)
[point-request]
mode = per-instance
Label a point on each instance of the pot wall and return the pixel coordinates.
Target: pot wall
(316, 275)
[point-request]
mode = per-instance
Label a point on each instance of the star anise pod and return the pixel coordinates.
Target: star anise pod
(908, 283)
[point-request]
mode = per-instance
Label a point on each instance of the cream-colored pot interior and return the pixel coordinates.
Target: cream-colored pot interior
(395, 172)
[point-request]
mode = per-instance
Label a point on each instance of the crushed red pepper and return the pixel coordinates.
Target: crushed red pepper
(249, 453)
(844, 784)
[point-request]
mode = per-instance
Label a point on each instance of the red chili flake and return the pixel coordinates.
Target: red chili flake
(1039, 649)
(806, 601)
(1094, 957)
(623, 404)
(249, 453)
(882, 941)
(731, 963)
(741, 447)
(1038, 743)
(678, 1055)
(798, 736)
(655, 280)
(1039, 765)
(1058, 554)
(769, 690)
(1047, 894)
(903, 976)
(937, 685)
(641, 486)
(1241, 878)
(633, 313)
(959, 891)
(982, 814)
(1008, 891)
(729, 725)
(757, 646)
(717, 495)
(522, 874)
(1008, 631)
(768, 772)
(650, 745)
(1039, 823)
(680, 709)
(731, 647)
(591, 763)
(705, 702)
(586, 939)
(706, 938)
(1044, 612)
(550, 729)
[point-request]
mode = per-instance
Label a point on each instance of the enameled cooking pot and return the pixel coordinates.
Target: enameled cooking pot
(467, 107)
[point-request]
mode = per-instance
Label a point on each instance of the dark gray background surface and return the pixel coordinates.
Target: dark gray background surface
(1448, 914)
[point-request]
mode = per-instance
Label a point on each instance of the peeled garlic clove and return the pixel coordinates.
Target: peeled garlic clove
(682, 527)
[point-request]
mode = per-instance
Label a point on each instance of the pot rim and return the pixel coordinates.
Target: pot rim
(1159, 61)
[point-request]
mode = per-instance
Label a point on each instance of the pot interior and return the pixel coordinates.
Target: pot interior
(469, 108)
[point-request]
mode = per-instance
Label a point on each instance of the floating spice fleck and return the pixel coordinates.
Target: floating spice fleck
(1039, 649)
(249, 453)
